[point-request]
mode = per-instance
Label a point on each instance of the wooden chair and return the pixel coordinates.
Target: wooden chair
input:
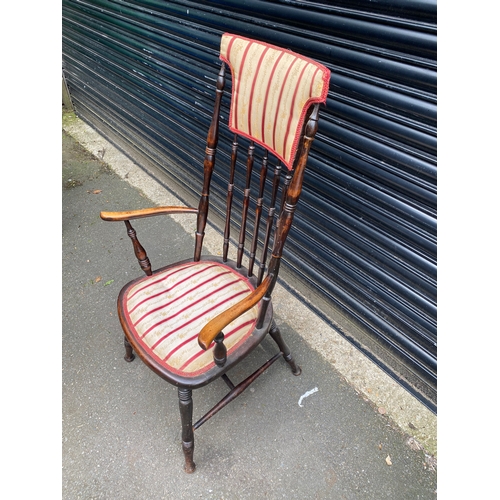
(192, 321)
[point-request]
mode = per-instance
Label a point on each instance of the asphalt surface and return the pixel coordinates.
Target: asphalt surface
(121, 423)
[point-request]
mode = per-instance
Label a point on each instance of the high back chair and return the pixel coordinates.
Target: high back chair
(192, 321)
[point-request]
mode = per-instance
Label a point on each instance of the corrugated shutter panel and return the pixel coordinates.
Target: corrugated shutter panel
(142, 73)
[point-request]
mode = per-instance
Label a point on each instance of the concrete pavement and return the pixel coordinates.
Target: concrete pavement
(121, 427)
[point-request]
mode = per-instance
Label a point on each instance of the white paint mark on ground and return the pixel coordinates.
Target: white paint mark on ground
(306, 394)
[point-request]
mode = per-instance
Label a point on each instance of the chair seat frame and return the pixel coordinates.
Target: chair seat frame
(216, 371)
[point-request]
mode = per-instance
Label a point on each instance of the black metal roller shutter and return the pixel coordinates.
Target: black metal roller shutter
(142, 73)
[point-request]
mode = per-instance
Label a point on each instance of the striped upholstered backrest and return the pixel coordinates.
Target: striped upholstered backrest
(272, 90)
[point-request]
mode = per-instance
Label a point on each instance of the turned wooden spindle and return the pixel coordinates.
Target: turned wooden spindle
(284, 189)
(220, 351)
(285, 350)
(139, 251)
(270, 222)
(258, 213)
(129, 353)
(289, 203)
(235, 391)
(229, 200)
(186, 409)
(246, 203)
(208, 166)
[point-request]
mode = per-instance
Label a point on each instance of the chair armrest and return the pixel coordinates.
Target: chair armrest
(215, 326)
(146, 212)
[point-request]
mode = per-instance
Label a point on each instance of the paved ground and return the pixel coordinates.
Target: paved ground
(121, 428)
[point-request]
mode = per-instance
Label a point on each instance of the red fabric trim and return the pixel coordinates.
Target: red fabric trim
(321, 99)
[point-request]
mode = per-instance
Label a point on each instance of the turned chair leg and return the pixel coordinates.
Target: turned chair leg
(276, 335)
(186, 408)
(129, 353)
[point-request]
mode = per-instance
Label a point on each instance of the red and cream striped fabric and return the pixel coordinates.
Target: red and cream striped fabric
(166, 312)
(272, 90)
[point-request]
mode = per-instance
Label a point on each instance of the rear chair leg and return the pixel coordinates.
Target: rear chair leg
(129, 353)
(186, 408)
(276, 335)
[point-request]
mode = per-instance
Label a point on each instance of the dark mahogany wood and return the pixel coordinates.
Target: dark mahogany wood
(276, 215)
(236, 391)
(220, 351)
(258, 213)
(228, 382)
(276, 335)
(286, 183)
(229, 199)
(289, 203)
(270, 221)
(208, 164)
(186, 409)
(129, 353)
(140, 253)
(246, 204)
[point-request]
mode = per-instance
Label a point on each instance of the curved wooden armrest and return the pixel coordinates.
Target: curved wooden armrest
(146, 212)
(215, 326)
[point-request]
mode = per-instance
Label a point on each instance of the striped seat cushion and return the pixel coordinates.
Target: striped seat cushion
(272, 90)
(165, 313)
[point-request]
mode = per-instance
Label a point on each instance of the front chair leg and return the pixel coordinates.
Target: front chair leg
(276, 335)
(129, 353)
(186, 408)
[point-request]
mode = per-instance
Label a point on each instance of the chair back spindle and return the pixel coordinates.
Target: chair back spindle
(246, 203)
(284, 190)
(208, 165)
(285, 219)
(258, 213)
(270, 222)
(229, 200)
